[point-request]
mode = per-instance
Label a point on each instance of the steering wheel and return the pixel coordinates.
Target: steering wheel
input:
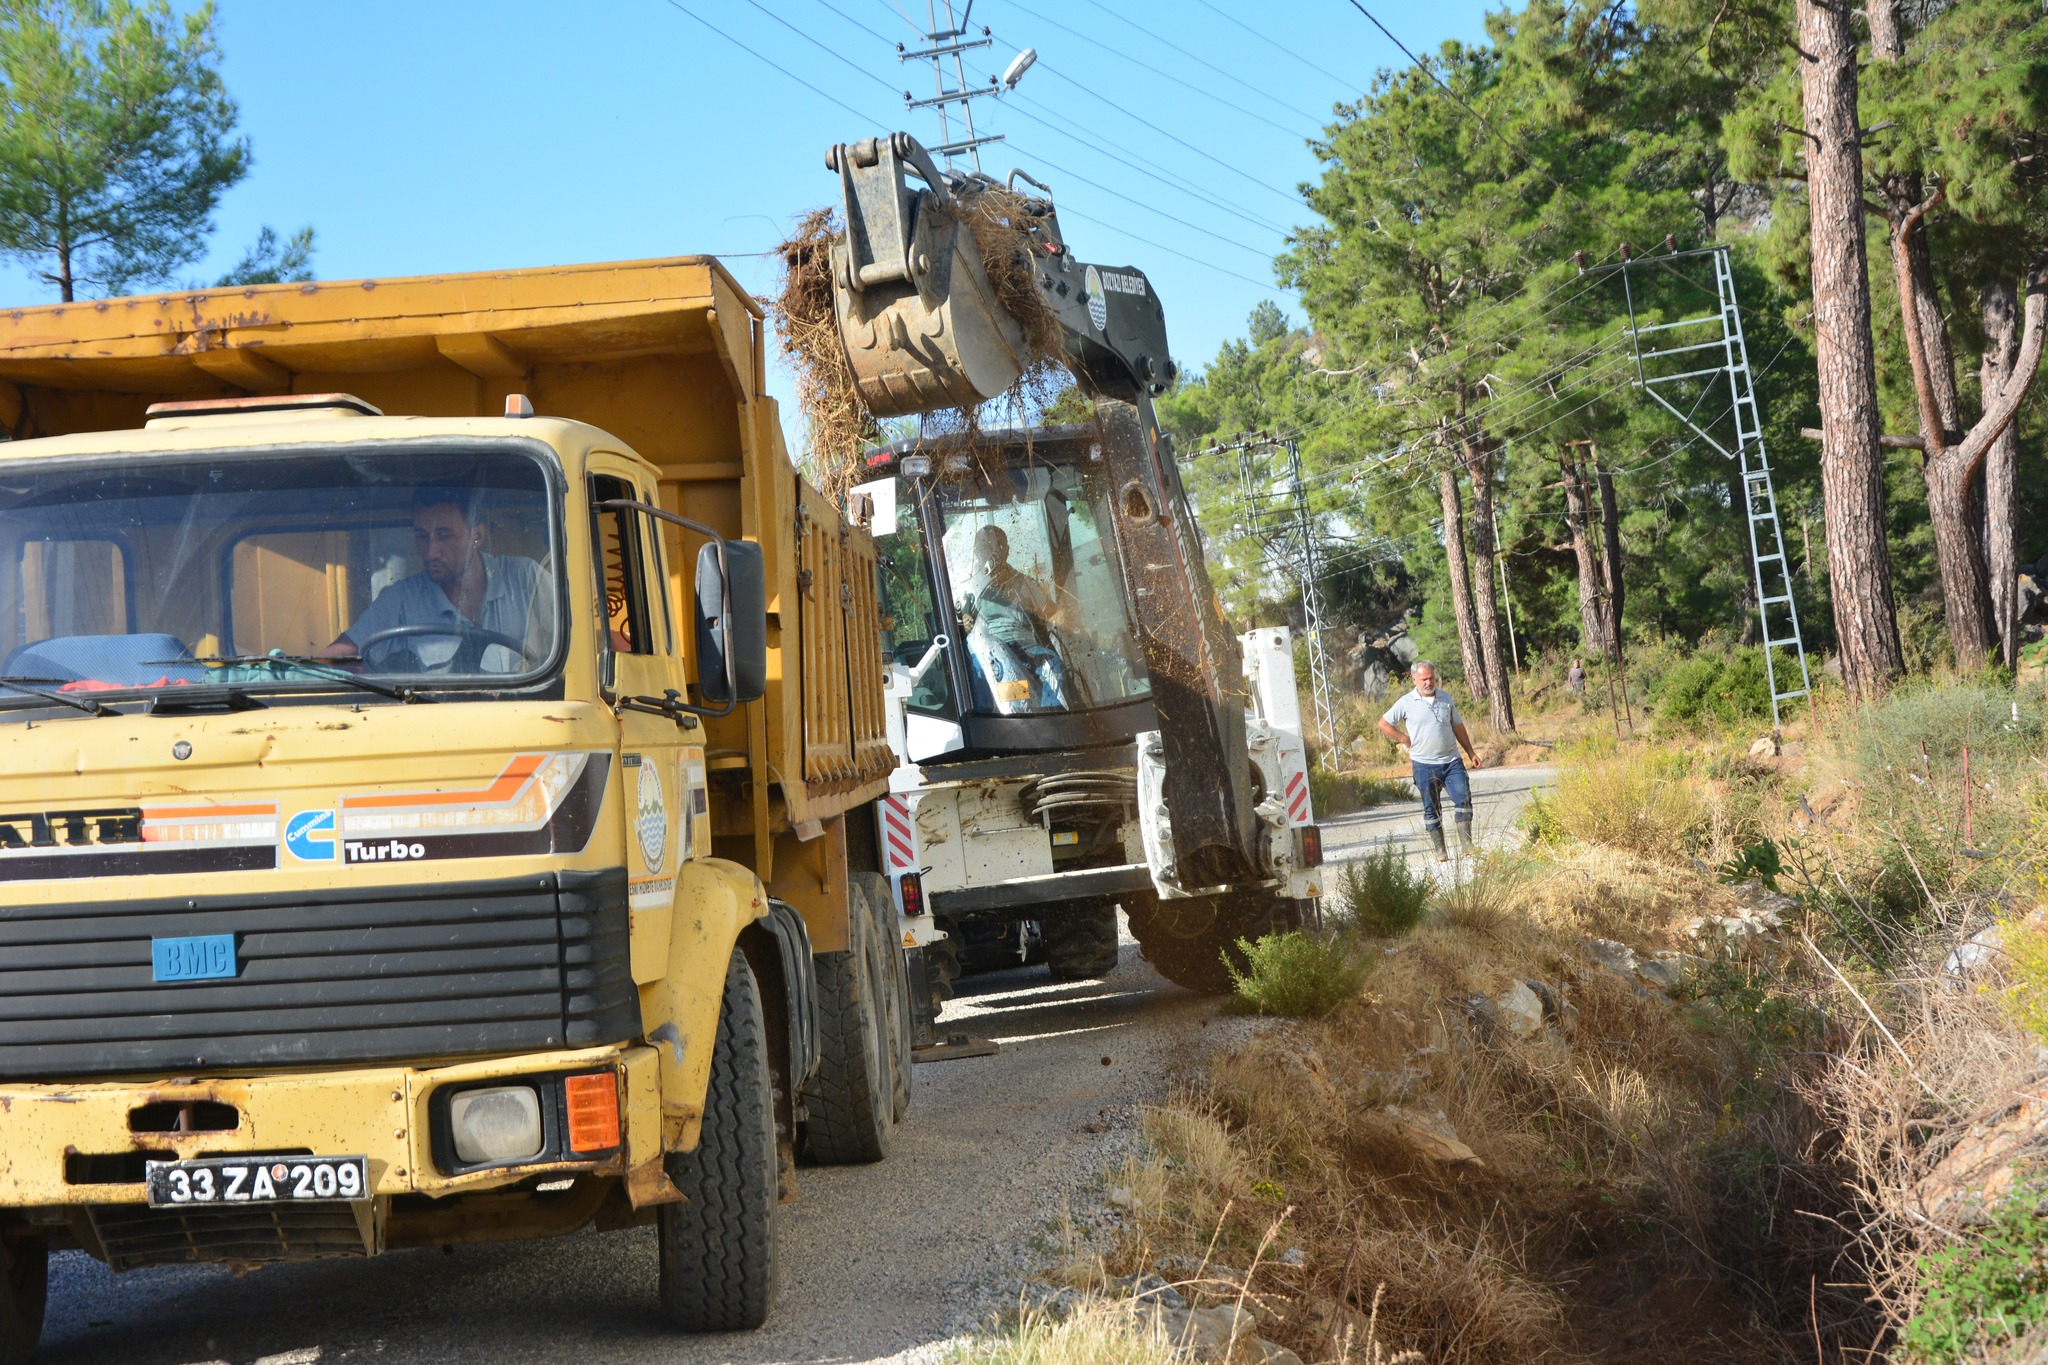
(466, 659)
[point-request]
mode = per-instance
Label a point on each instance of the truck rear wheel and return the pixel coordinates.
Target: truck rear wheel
(24, 1292)
(718, 1247)
(883, 907)
(1186, 940)
(851, 1099)
(1080, 945)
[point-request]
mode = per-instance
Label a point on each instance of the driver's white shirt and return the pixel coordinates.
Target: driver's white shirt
(516, 604)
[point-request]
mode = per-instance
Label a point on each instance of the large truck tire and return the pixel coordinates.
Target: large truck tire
(851, 1099)
(883, 906)
(1187, 940)
(1080, 945)
(718, 1246)
(24, 1292)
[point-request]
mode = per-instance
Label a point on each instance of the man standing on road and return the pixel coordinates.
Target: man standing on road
(1435, 734)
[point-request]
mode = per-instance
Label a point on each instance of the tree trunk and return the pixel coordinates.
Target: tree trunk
(1852, 467)
(1610, 525)
(1499, 695)
(1955, 489)
(2001, 470)
(1461, 585)
(1592, 617)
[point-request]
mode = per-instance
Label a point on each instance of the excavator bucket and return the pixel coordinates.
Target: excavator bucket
(917, 315)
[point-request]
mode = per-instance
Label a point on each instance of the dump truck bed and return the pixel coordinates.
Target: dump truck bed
(667, 355)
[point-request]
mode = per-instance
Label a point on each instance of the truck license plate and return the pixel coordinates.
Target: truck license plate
(257, 1180)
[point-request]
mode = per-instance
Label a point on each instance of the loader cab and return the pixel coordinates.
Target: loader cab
(1004, 551)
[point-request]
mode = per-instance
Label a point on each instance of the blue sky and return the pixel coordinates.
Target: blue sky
(446, 135)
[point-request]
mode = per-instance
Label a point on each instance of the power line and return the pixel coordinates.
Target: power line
(1341, 80)
(678, 5)
(1160, 246)
(1139, 203)
(1167, 75)
(859, 25)
(1228, 76)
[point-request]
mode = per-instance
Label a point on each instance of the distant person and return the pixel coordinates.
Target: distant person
(1435, 734)
(459, 585)
(1576, 679)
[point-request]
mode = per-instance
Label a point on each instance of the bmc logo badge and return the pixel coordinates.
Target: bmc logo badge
(309, 836)
(652, 818)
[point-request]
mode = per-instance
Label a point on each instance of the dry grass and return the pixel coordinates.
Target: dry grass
(1638, 801)
(1100, 1333)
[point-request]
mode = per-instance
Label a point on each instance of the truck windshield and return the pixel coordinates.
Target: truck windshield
(1037, 592)
(141, 573)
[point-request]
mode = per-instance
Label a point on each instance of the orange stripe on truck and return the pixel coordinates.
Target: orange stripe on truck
(504, 789)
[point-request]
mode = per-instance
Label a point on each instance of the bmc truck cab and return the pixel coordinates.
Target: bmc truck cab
(388, 829)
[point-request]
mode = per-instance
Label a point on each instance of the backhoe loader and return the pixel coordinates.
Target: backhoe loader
(1076, 728)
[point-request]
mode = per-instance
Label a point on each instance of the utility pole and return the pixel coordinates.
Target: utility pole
(950, 39)
(1724, 354)
(1291, 548)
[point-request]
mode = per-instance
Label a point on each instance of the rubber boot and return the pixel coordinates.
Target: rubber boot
(1465, 844)
(1436, 839)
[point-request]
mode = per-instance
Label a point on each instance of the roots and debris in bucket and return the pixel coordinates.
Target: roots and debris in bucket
(839, 426)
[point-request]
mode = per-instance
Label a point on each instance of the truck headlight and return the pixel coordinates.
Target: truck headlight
(494, 1125)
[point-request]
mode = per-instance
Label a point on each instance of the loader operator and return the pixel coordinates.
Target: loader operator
(1435, 734)
(465, 611)
(1013, 608)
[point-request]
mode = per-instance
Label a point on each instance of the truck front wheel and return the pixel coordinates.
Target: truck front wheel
(851, 1098)
(23, 1294)
(718, 1247)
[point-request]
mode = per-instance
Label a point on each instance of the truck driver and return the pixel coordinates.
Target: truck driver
(461, 586)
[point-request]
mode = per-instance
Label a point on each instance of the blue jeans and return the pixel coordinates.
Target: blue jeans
(1448, 778)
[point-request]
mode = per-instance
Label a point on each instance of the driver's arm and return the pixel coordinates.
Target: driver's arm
(382, 614)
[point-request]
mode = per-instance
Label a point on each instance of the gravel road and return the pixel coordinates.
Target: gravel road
(878, 1261)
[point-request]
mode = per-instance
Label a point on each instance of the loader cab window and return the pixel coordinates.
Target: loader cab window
(912, 619)
(1036, 592)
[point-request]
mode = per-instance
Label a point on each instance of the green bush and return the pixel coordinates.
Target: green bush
(1708, 688)
(1382, 894)
(1986, 1293)
(1295, 974)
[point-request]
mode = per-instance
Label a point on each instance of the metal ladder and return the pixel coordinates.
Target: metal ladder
(1771, 574)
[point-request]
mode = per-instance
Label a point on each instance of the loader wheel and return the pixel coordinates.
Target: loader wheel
(1081, 944)
(852, 1096)
(1186, 939)
(718, 1247)
(23, 1294)
(883, 906)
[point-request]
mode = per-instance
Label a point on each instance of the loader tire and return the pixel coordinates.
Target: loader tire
(851, 1098)
(883, 906)
(24, 1292)
(1187, 940)
(1081, 944)
(718, 1246)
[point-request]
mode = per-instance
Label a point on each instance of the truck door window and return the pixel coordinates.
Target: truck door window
(622, 569)
(910, 615)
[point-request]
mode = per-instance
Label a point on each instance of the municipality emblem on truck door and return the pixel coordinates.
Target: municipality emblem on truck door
(652, 818)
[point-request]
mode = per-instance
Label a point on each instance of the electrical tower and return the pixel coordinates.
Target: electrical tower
(950, 40)
(1777, 613)
(1288, 546)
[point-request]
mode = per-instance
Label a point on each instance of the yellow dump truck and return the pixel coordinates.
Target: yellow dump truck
(438, 733)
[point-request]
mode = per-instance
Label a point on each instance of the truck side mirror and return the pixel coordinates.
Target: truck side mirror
(732, 623)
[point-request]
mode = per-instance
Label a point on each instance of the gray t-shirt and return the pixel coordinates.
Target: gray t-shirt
(516, 603)
(1428, 721)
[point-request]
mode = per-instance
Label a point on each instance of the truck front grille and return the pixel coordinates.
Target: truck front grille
(133, 1236)
(446, 969)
